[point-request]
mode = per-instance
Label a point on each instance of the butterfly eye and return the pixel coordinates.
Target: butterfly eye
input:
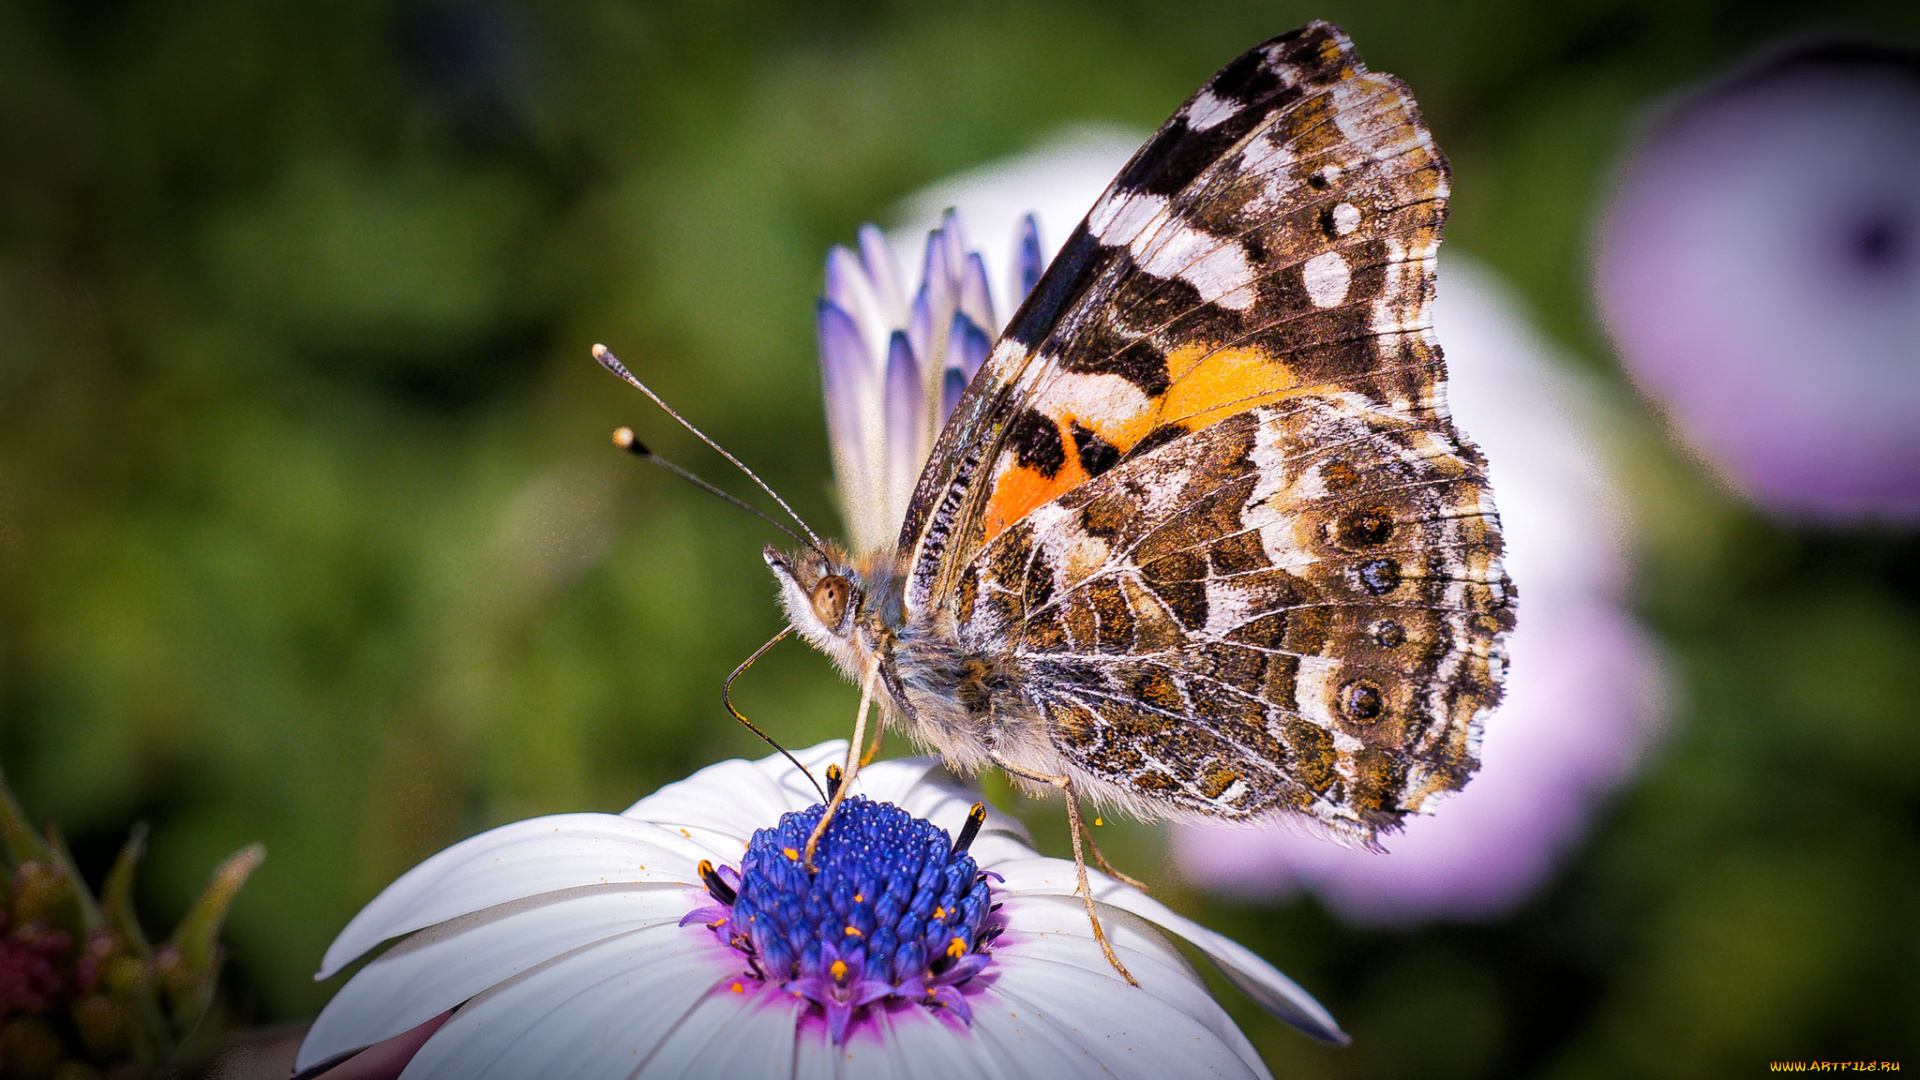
(830, 599)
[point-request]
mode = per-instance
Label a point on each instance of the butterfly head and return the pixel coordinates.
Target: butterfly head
(823, 595)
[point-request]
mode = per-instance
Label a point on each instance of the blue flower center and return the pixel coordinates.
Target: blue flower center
(893, 907)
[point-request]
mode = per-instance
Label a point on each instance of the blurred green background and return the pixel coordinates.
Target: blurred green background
(310, 532)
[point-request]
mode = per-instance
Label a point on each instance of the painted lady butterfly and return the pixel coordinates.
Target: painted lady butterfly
(1200, 539)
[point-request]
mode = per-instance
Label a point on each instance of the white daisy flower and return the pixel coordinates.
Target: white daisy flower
(683, 938)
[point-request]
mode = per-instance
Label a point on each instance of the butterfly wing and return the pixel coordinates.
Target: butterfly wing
(1275, 235)
(1261, 270)
(1295, 610)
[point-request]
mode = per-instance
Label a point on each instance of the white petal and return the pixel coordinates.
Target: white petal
(1053, 930)
(1055, 1027)
(955, 251)
(1030, 263)
(845, 372)
(1255, 977)
(903, 1042)
(885, 272)
(908, 420)
(975, 299)
(444, 965)
(908, 1043)
(940, 797)
(514, 861)
(720, 1038)
(1049, 956)
(858, 294)
(721, 805)
(817, 757)
(726, 803)
(849, 287)
(1243, 967)
(602, 1011)
(891, 781)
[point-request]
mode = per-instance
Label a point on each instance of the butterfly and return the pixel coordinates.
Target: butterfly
(1199, 539)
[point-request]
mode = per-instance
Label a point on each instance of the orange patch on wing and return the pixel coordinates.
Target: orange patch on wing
(1330, 56)
(1209, 385)
(1018, 490)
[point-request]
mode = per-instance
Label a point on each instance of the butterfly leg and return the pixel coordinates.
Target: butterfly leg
(1065, 784)
(1108, 868)
(854, 762)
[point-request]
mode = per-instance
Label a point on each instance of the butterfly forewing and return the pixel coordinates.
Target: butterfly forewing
(1191, 291)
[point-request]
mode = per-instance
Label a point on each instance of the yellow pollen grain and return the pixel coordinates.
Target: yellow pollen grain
(939, 913)
(791, 854)
(738, 988)
(1097, 821)
(957, 948)
(853, 931)
(838, 970)
(686, 834)
(859, 899)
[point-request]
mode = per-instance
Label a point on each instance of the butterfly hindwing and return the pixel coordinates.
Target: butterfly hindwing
(1296, 609)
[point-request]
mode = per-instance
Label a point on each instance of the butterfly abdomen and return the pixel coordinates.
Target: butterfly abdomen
(962, 702)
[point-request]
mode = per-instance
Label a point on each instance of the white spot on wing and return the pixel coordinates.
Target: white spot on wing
(1346, 218)
(1094, 400)
(1311, 687)
(1230, 607)
(1216, 268)
(1269, 159)
(1123, 216)
(1207, 110)
(1163, 246)
(1326, 279)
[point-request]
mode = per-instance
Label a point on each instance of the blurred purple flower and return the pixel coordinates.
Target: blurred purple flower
(1760, 272)
(1582, 692)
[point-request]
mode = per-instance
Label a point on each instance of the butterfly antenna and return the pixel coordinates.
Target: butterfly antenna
(726, 696)
(625, 439)
(612, 363)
